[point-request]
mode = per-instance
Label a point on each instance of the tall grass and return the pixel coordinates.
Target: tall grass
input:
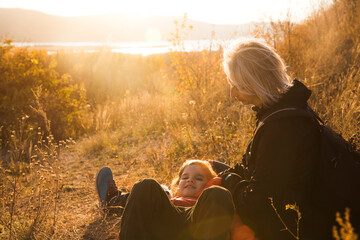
(146, 115)
(30, 189)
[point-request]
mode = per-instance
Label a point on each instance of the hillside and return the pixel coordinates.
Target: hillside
(28, 25)
(66, 115)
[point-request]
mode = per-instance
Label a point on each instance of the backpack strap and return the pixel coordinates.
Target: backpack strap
(310, 110)
(277, 112)
(289, 112)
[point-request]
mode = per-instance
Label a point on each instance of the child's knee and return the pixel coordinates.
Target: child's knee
(146, 183)
(217, 194)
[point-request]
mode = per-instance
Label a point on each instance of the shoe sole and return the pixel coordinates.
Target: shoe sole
(102, 205)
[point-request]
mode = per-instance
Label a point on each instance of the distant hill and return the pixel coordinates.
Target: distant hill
(33, 26)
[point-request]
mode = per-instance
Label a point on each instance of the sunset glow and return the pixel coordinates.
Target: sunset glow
(213, 11)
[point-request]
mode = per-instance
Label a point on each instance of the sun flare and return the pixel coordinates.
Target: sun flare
(153, 35)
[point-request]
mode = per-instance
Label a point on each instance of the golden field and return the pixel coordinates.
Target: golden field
(65, 116)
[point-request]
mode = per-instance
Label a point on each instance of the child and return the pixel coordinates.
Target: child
(113, 201)
(190, 215)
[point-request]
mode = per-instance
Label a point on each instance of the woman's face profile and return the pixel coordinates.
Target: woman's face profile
(244, 98)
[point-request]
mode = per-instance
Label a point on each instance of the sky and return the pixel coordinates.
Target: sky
(212, 11)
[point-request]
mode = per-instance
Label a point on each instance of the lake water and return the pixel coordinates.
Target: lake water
(143, 48)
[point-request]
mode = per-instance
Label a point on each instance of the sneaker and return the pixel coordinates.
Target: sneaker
(105, 185)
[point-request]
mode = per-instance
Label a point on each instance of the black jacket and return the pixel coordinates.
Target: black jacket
(280, 163)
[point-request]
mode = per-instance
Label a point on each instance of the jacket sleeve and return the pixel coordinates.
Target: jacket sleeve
(281, 166)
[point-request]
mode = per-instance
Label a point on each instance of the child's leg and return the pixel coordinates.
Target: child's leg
(212, 215)
(117, 202)
(149, 214)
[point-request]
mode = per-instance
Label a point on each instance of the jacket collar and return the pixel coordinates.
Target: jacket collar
(296, 96)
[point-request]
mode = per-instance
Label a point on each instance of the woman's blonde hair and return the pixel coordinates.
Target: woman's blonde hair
(202, 163)
(256, 69)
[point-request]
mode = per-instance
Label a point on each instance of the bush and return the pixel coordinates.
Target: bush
(31, 87)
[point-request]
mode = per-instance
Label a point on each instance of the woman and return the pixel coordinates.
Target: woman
(281, 158)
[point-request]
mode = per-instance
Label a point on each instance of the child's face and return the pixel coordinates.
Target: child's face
(192, 180)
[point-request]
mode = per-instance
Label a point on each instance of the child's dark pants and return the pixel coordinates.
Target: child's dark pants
(149, 214)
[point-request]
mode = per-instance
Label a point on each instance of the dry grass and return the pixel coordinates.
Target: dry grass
(183, 111)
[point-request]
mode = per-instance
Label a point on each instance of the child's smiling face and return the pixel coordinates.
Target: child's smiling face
(192, 180)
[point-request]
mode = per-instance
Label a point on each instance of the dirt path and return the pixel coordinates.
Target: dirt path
(78, 213)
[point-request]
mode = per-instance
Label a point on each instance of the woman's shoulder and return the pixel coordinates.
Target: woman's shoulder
(289, 127)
